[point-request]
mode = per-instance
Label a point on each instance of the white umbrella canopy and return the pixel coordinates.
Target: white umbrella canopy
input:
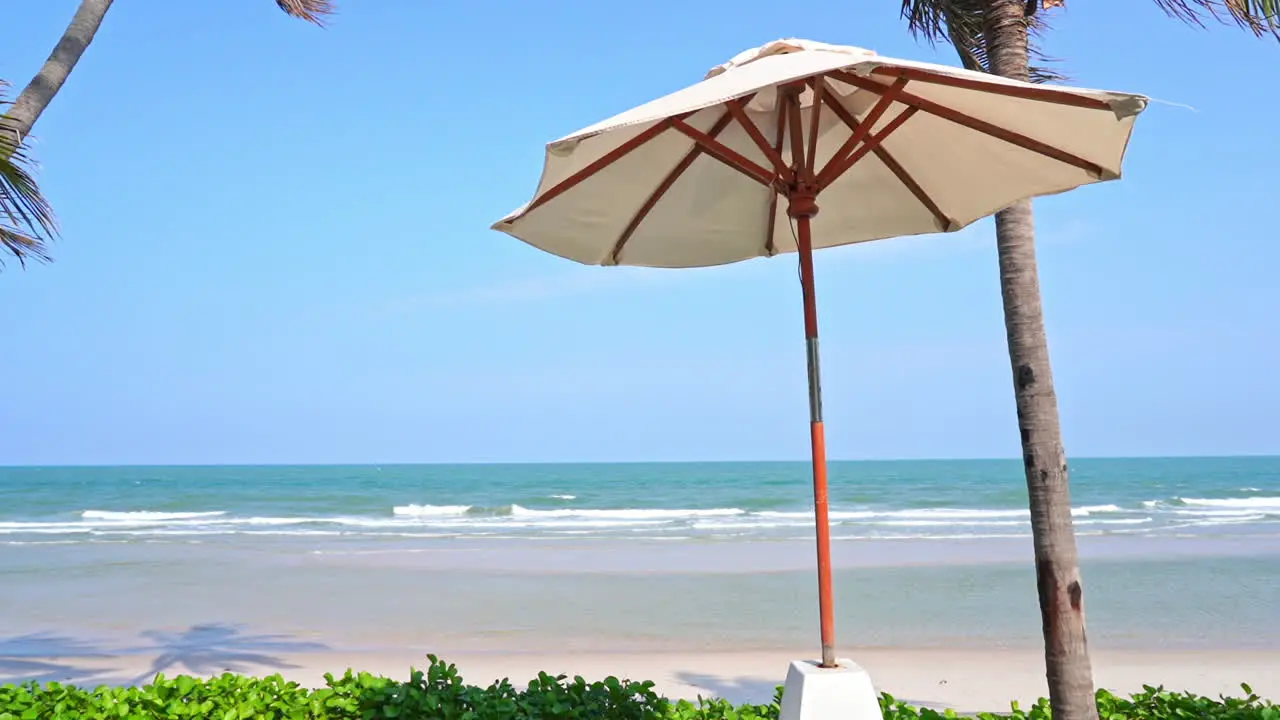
(953, 146)
(882, 147)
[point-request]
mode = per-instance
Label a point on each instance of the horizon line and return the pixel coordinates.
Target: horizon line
(614, 462)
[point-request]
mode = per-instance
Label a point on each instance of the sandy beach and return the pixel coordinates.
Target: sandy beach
(966, 680)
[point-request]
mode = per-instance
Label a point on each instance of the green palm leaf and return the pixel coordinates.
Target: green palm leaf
(313, 11)
(1261, 17)
(959, 23)
(27, 222)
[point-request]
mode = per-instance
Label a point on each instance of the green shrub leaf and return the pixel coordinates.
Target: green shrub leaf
(439, 693)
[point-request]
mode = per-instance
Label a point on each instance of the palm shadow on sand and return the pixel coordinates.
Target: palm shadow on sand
(757, 690)
(47, 657)
(738, 690)
(214, 648)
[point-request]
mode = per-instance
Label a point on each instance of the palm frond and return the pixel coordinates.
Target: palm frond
(1260, 17)
(313, 11)
(27, 222)
(959, 24)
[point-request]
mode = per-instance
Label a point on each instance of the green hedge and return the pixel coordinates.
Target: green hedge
(438, 693)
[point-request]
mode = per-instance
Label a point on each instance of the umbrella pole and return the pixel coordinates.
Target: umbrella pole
(803, 211)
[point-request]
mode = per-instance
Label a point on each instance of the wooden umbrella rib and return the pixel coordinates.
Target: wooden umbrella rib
(973, 123)
(739, 113)
(845, 116)
(815, 116)
(1050, 95)
(605, 161)
(725, 154)
(663, 187)
(869, 145)
(833, 169)
(795, 128)
(896, 168)
(910, 183)
(772, 222)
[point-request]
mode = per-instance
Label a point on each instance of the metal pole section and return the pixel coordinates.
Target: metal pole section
(826, 603)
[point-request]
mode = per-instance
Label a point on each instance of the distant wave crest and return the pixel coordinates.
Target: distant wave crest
(555, 517)
(626, 513)
(147, 516)
(430, 510)
(1251, 503)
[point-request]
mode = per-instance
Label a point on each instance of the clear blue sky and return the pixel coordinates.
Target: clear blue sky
(276, 249)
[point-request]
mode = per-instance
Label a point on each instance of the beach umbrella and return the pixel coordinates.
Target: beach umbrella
(736, 167)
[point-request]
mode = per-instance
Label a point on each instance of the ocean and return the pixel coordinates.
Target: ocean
(416, 505)
(1177, 553)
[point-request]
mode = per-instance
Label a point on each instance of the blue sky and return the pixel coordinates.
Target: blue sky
(276, 249)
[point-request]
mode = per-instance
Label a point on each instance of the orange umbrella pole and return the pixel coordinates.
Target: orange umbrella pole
(803, 208)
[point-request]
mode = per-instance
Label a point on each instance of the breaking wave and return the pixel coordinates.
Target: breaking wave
(416, 521)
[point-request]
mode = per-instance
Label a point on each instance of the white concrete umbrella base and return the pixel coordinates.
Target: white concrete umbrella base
(817, 693)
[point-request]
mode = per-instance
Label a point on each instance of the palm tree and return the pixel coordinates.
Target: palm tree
(998, 36)
(26, 220)
(26, 217)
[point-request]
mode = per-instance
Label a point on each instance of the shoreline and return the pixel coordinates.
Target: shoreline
(568, 556)
(965, 680)
(124, 595)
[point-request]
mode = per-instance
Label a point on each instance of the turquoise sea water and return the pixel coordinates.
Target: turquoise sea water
(1176, 553)
(1236, 497)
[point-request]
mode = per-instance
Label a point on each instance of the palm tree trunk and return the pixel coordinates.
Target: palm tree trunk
(37, 95)
(1058, 580)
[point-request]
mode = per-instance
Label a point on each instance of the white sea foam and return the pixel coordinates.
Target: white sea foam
(1213, 512)
(1253, 503)
(147, 516)
(278, 520)
(747, 525)
(1210, 508)
(807, 516)
(955, 514)
(626, 513)
(42, 529)
(43, 526)
(950, 523)
(565, 522)
(933, 536)
(161, 532)
(1117, 521)
(1231, 520)
(430, 510)
(1094, 509)
(517, 521)
(940, 514)
(298, 533)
